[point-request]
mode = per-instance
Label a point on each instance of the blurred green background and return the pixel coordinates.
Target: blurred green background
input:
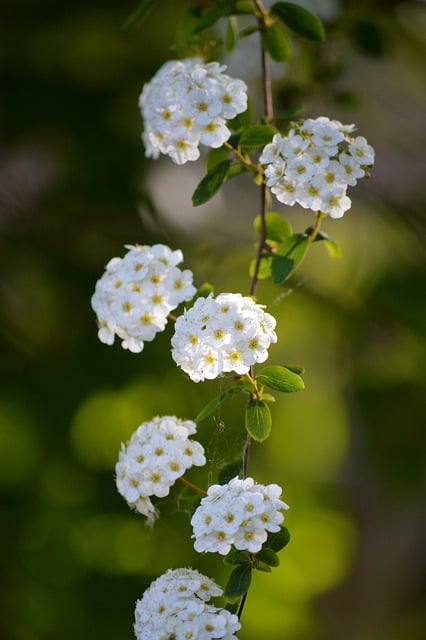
(349, 451)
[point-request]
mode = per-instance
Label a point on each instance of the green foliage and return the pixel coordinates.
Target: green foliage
(258, 420)
(333, 249)
(268, 557)
(215, 157)
(277, 229)
(281, 379)
(210, 16)
(278, 540)
(238, 583)
(221, 9)
(276, 43)
(288, 257)
(237, 557)
(230, 36)
(264, 270)
(211, 183)
(299, 20)
(256, 136)
(204, 290)
(138, 16)
(244, 7)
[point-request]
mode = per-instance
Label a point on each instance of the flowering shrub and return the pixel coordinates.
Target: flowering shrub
(176, 606)
(186, 104)
(190, 103)
(158, 453)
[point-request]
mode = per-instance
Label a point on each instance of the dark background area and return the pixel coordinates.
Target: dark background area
(349, 451)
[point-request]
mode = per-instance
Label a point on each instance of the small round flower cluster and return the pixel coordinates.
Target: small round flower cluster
(157, 454)
(187, 103)
(136, 293)
(176, 606)
(223, 334)
(315, 163)
(238, 513)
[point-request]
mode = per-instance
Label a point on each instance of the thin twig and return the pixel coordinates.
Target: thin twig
(316, 227)
(241, 607)
(193, 486)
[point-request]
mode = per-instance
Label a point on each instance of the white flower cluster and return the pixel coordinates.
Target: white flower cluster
(223, 334)
(136, 293)
(187, 103)
(315, 163)
(176, 606)
(238, 513)
(158, 453)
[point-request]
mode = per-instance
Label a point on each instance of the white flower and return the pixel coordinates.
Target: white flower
(315, 163)
(176, 605)
(158, 453)
(220, 335)
(362, 152)
(351, 167)
(136, 293)
(237, 514)
(187, 103)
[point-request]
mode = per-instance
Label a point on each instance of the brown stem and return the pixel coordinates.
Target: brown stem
(266, 67)
(242, 158)
(241, 607)
(193, 486)
(262, 240)
(246, 449)
(316, 227)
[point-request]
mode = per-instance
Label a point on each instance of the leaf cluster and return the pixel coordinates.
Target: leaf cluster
(240, 579)
(284, 250)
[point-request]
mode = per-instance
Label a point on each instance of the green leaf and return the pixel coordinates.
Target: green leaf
(210, 16)
(211, 406)
(204, 290)
(256, 136)
(230, 470)
(139, 14)
(295, 368)
(277, 229)
(288, 257)
(238, 583)
(232, 607)
(236, 170)
(264, 271)
(230, 36)
(299, 20)
(244, 6)
(244, 33)
(237, 557)
(215, 157)
(280, 379)
(262, 566)
(258, 420)
(334, 250)
(278, 540)
(268, 556)
(211, 183)
(276, 43)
